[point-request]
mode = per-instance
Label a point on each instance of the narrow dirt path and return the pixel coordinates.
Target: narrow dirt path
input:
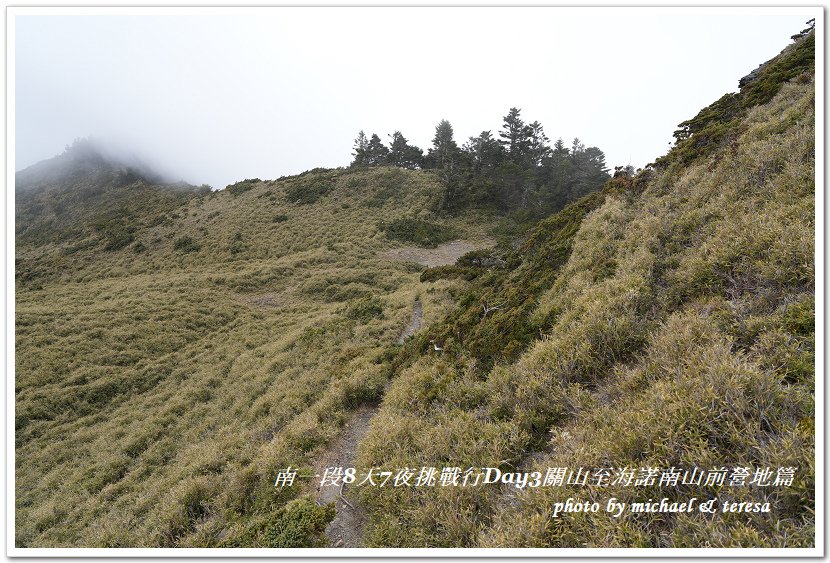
(346, 529)
(414, 323)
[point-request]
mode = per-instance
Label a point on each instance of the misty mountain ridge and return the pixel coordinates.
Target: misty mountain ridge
(87, 157)
(87, 189)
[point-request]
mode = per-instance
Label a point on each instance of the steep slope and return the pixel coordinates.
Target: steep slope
(670, 325)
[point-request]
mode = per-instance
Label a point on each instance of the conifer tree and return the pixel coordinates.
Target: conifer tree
(537, 144)
(484, 152)
(376, 152)
(514, 136)
(518, 171)
(361, 146)
(444, 151)
(402, 154)
(445, 156)
(589, 171)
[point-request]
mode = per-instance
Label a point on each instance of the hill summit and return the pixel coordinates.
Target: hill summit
(90, 190)
(85, 158)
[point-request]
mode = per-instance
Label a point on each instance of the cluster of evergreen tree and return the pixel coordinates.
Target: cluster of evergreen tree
(518, 170)
(372, 152)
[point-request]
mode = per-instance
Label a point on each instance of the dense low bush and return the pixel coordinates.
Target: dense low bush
(300, 523)
(309, 190)
(186, 244)
(418, 231)
(365, 309)
(243, 186)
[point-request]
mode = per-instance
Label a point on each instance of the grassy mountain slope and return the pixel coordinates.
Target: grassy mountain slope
(175, 346)
(80, 201)
(672, 325)
(159, 385)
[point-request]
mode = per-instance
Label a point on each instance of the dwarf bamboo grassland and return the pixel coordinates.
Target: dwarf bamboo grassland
(160, 385)
(679, 330)
(173, 352)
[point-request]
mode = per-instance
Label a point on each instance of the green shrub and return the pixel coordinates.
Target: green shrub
(118, 240)
(236, 245)
(422, 233)
(300, 523)
(718, 124)
(243, 186)
(365, 310)
(449, 272)
(310, 190)
(116, 232)
(83, 245)
(800, 318)
(186, 244)
(797, 59)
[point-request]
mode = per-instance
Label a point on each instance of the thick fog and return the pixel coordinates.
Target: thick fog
(218, 97)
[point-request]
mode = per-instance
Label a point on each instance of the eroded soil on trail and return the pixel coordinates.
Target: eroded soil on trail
(346, 530)
(414, 323)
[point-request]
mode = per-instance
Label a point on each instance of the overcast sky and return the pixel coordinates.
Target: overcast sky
(215, 98)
